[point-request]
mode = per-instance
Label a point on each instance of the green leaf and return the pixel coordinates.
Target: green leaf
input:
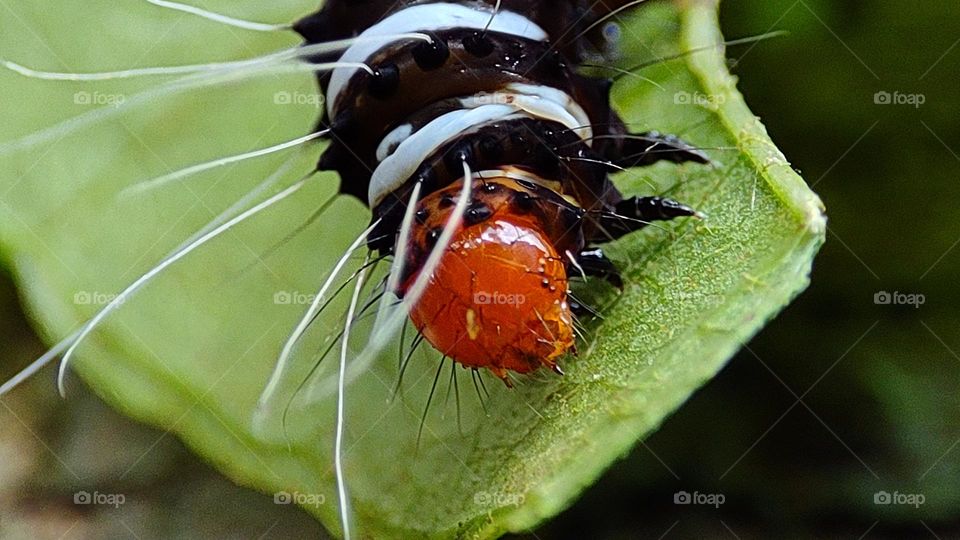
(192, 352)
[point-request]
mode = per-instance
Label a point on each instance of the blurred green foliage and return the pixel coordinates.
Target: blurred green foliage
(883, 408)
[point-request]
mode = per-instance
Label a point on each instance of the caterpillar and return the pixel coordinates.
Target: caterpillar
(494, 91)
(483, 155)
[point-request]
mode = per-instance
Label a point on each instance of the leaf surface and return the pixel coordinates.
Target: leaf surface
(192, 352)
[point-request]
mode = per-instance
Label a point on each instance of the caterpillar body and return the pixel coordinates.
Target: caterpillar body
(494, 87)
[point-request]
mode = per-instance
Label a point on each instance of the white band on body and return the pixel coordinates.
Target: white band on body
(399, 166)
(540, 101)
(441, 16)
(523, 101)
(392, 141)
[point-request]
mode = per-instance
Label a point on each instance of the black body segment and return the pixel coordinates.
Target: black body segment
(415, 82)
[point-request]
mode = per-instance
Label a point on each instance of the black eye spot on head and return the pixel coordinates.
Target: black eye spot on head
(524, 201)
(447, 201)
(478, 45)
(429, 56)
(385, 81)
(422, 215)
(433, 235)
(477, 213)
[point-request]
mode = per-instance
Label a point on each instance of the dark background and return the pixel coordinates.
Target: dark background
(837, 400)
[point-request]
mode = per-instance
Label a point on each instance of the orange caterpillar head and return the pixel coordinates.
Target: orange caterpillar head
(498, 298)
